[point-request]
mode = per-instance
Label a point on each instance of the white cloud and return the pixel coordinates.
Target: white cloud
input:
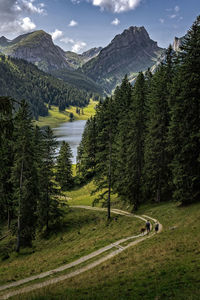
(26, 24)
(176, 8)
(115, 22)
(115, 6)
(75, 1)
(14, 16)
(76, 46)
(161, 21)
(29, 6)
(173, 16)
(67, 40)
(72, 23)
(56, 34)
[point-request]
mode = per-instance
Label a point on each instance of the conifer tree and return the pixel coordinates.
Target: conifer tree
(48, 205)
(104, 156)
(6, 158)
(157, 174)
(121, 107)
(136, 130)
(64, 167)
(86, 159)
(24, 177)
(184, 131)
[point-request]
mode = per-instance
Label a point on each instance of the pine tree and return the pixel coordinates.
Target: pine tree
(24, 177)
(136, 130)
(48, 205)
(104, 157)
(157, 174)
(6, 158)
(86, 159)
(64, 167)
(184, 131)
(121, 107)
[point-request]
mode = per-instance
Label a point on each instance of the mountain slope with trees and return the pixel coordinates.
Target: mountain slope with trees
(22, 80)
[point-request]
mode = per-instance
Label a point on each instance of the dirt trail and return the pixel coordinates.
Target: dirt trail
(117, 248)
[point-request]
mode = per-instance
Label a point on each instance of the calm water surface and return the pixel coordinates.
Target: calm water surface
(70, 132)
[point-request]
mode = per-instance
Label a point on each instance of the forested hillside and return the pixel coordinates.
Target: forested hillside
(144, 142)
(22, 80)
(29, 190)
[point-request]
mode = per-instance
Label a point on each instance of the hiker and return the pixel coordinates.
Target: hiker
(148, 226)
(156, 227)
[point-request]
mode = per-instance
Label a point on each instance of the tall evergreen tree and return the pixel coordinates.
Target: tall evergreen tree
(104, 157)
(86, 159)
(6, 158)
(24, 177)
(157, 174)
(64, 167)
(48, 205)
(184, 131)
(136, 130)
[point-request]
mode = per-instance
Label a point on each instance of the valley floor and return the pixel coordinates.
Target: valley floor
(55, 118)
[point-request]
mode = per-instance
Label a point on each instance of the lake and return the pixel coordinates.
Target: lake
(70, 132)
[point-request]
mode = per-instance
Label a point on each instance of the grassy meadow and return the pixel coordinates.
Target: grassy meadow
(80, 233)
(164, 267)
(55, 118)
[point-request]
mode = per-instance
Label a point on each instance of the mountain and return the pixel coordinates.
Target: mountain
(128, 53)
(78, 79)
(78, 60)
(36, 47)
(91, 53)
(22, 80)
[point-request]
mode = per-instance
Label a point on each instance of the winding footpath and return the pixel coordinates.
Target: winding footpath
(116, 246)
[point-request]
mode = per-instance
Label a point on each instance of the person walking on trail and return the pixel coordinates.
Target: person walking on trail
(156, 227)
(148, 226)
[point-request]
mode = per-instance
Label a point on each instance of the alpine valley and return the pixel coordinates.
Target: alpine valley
(98, 69)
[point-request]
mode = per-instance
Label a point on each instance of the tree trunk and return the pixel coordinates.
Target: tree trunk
(19, 212)
(109, 175)
(9, 218)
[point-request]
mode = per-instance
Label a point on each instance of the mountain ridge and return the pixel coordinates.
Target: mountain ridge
(128, 53)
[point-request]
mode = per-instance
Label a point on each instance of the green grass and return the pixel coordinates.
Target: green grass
(81, 233)
(164, 267)
(55, 118)
(82, 196)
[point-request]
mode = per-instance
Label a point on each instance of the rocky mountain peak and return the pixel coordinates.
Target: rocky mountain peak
(37, 47)
(128, 53)
(133, 36)
(3, 41)
(87, 55)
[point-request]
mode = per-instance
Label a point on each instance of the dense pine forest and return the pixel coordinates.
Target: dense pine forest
(29, 181)
(144, 141)
(22, 80)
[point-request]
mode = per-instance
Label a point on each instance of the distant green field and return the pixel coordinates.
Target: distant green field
(55, 118)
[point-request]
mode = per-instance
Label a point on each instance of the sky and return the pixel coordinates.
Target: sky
(78, 25)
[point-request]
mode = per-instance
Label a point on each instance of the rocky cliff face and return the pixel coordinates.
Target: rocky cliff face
(177, 43)
(91, 53)
(128, 53)
(38, 48)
